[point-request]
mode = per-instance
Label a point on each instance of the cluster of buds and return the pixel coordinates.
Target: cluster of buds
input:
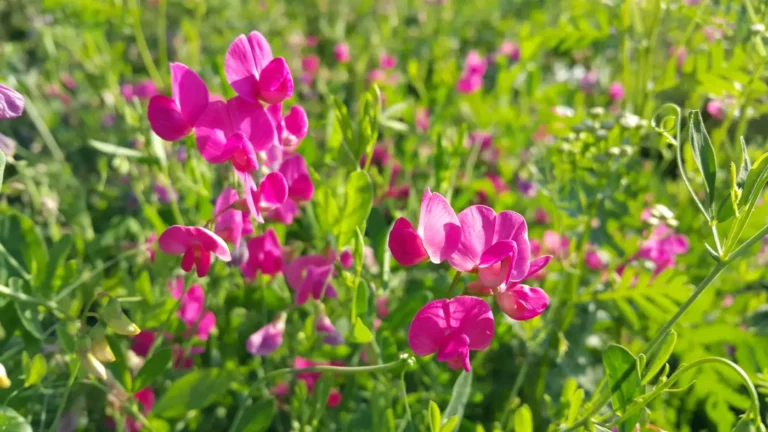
(94, 349)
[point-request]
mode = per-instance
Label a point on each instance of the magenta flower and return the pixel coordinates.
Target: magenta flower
(191, 308)
(325, 327)
(346, 259)
(593, 260)
(662, 247)
(196, 245)
(522, 302)
(290, 129)
(341, 52)
(145, 89)
(716, 109)
(11, 103)
(616, 91)
(271, 193)
(422, 119)
(296, 173)
(310, 64)
(436, 238)
(474, 64)
(143, 341)
(496, 246)
(555, 244)
(310, 276)
(254, 74)
(541, 216)
(451, 328)
(173, 118)
(230, 221)
(268, 338)
(146, 399)
(381, 306)
(469, 84)
(284, 213)
(387, 61)
(264, 255)
(510, 50)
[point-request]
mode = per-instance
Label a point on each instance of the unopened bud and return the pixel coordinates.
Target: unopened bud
(100, 346)
(4, 381)
(92, 365)
(112, 314)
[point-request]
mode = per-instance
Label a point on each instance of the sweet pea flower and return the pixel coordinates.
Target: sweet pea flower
(146, 399)
(145, 89)
(196, 245)
(422, 119)
(11, 103)
(474, 64)
(469, 84)
(268, 338)
(341, 52)
(310, 276)
(716, 109)
(616, 91)
(662, 247)
(291, 128)
(381, 306)
(510, 50)
(324, 326)
(264, 255)
(173, 118)
(555, 244)
(294, 170)
(593, 260)
(191, 307)
(284, 213)
(254, 73)
(377, 76)
(310, 64)
(437, 237)
(527, 188)
(230, 221)
(522, 302)
(387, 61)
(541, 216)
(143, 341)
(346, 259)
(451, 328)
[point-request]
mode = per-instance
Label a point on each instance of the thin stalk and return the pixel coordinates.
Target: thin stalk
(24, 298)
(404, 396)
(50, 142)
(15, 264)
(454, 283)
(162, 37)
(66, 291)
(63, 404)
(141, 42)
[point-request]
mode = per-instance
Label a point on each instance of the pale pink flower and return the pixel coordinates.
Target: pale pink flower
(341, 52)
(11, 103)
(268, 338)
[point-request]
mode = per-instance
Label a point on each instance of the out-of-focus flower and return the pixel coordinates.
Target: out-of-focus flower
(421, 119)
(311, 276)
(264, 255)
(173, 118)
(616, 91)
(527, 188)
(387, 61)
(712, 33)
(555, 244)
(469, 84)
(11, 103)
(196, 245)
(341, 52)
(324, 326)
(377, 76)
(254, 73)
(381, 306)
(146, 399)
(164, 194)
(588, 82)
(68, 81)
(680, 53)
(7, 146)
(541, 216)
(436, 238)
(229, 220)
(662, 247)
(510, 50)
(291, 128)
(145, 89)
(294, 170)
(191, 308)
(593, 260)
(346, 259)
(716, 108)
(451, 328)
(268, 338)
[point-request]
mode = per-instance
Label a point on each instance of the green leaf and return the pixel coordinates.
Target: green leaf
(523, 419)
(29, 319)
(661, 357)
(459, 396)
(624, 377)
(357, 207)
(434, 417)
(704, 155)
(746, 166)
(37, 369)
(575, 405)
(326, 210)
(56, 260)
(2, 167)
(153, 368)
(193, 391)
(143, 287)
(745, 425)
(115, 150)
(359, 333)
(11, 421)
(361, 299)
(359, 305)
(320, 395)
(258, 417)
(450, 424)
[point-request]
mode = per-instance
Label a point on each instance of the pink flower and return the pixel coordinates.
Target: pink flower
(436, 238)
(341, 52)
(310, 64)
(324, 326)
(422, 119)
(451, 328)
(510, 50)
(68, 81)
(143, 341)
(527, 188)
(11, 103)
(149, 244)
(381, 306)
(593, 260)
(164, 194)
(474, 64)
(230, 221)
(469, 84)
(716, 109)
(254, 74)
(346, 259)
(712, 33)
(296, 173)
(290, 129)
(616, 91)
(173, 118)
(145, 89)
(387, 61)
(541, 216)
(496, 246)
(268, 338)
(662, 247)
(146, 399)
(555, 244)
(284, 213)
(377, 76)
(334, 398)
(680, 53)
(196, 245)
(264, 255)
(522, 302)
(311, 276)
(311, 41)
(191, 308)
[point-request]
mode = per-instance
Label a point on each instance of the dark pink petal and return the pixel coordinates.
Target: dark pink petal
(264, 255)
(473, 317)
(438, 227)
(455, 352)
(262, 52)
(252, 195)
(497, 252)
(203, 263)
(478, 224)
(229, 222)
(284, 213)
(212, 130)
(212, 242)
(315, 282)
(176, 239)
(296, 122)
(405, 244)
(522, 302)
(189, 259)
(206, 325)
(240, 68)
(275, 82)
(166, 119)
(334, 398)
(296, 269)
(512, 226)
(146, 397)
(176, 287)
(538, 264)
(189, 92)
(142, 342)
(275, 112)
(252, 119)
(11, 103)
(273, 189)
(428, 328)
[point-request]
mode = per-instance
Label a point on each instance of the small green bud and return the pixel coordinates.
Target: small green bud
(100, 346)
(4, 381)
(113, 316)
(92, 365)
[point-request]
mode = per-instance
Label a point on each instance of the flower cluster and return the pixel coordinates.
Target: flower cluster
(474, 70)
(478, 241)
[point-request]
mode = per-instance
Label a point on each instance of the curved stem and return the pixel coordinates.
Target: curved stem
(454, 282)
(141, 42)
(343, 370)
(73, 375)
(24, 298)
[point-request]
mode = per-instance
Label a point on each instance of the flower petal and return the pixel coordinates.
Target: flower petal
(497, 252)
(275, 82)
(537, 265)
(428, 328)
(512, 226)
(294, 271)
(296, 122)
(11, 103)
(262, 52)
(189, 91)
(477, 227)
(438, 227)
(213, 243)
(405, 244)
(473, 317)
(240, 68)
(176, 239)
(166, 119)
(252, 119)
(522, 302)
(212, 130)
(273, 190)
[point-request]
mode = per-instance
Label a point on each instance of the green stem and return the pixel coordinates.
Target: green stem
(404, 396)
(66, 291)
(343, 370)
(24, 298)
(744, 248)
(15, 264)
(162, 37)
(454, 283)
(63, 404)
(50, 142)
(141, 43)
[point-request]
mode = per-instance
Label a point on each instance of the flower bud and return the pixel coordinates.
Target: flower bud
(112, 314)
(100, 346)
(92, 365)
(4, 381)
